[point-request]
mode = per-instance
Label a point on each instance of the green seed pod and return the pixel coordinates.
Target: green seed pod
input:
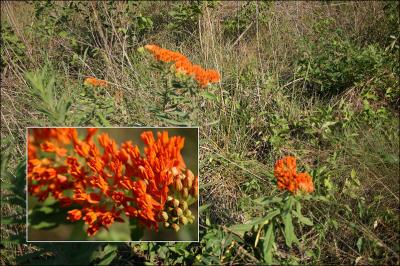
(179, 212)
(175, 227)
(190, 220)
(174, 219)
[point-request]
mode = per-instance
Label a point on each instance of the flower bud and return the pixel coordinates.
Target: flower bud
(190, 178)
(166, 224)
(175, 227)
(178, 212)
(185, 192)
(194, 191)
(174, 171)
(178, 184)
(183, 204)
(170, 198)
(188, 182)
(164, 216)
(187, 213)
(175, 202)
(183, 220)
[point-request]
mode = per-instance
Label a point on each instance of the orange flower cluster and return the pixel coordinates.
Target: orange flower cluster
(105, 181)
(183, 64)
(285, 173)
(95, 82)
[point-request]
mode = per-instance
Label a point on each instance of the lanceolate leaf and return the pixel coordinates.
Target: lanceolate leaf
(240, 229)
(271, 215)
(268, 244)
(302, 219)
(290, 235)
(266, 219)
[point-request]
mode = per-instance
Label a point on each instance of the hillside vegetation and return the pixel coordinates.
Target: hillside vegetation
(315, 80)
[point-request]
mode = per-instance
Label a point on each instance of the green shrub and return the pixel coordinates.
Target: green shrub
(332, 62)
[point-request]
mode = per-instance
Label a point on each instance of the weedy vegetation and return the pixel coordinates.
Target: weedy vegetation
(318, 81)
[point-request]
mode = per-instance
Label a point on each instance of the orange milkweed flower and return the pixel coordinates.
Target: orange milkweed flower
(74, 215)
(182, 64)
(289, 179)
(285, 172)
(305, 183)
(95, 82)
(105, 179)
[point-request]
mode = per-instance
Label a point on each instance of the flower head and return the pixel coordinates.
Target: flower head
(289, 179)
(105, 179)
(183, 65)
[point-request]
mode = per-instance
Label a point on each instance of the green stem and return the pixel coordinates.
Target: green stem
(135, 229)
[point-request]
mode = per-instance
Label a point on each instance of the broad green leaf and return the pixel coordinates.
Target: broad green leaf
(302, 219)
(290, 235)
(271, 215)
(268, 244)
(241, 229)
(267, 200)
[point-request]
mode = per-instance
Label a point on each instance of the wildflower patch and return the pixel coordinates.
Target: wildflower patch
(94, 183)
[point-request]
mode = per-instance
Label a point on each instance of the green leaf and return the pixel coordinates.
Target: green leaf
(290, 235)
(359, 243)
(302, 219)
(271, 215)
(47, 217)
(267, 200)
(241, 229)
(203, 207)
(208, 95)
(108, 255)
(13, 220)
(268, 244)
(264, 221)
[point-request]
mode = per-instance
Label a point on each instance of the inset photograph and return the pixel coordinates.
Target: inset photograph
(112, 184)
